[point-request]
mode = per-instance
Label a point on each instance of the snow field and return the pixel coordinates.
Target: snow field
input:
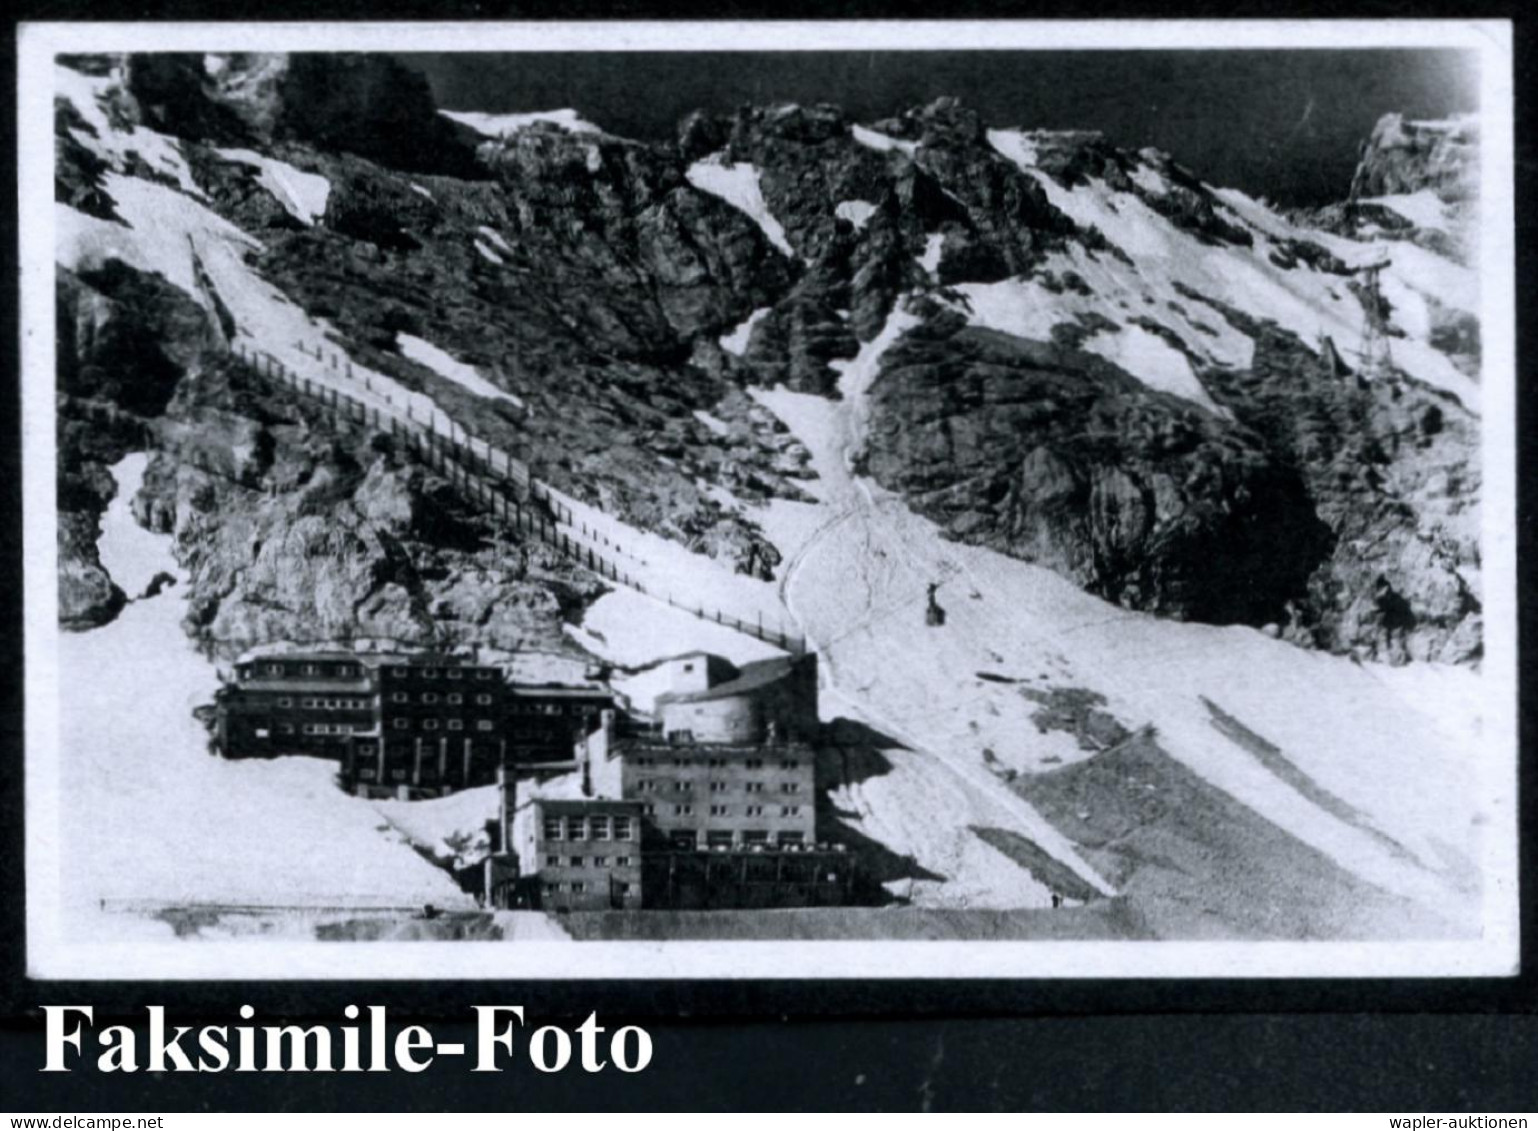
(1362, 742)
(302, 194)
(504, 125)
(152, 818)
(1305, 301)
(857, 212)
(736, 343)
(467, 377)
(737, 184)
(881, 142)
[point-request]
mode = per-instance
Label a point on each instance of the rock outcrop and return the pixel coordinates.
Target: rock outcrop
(599, 283)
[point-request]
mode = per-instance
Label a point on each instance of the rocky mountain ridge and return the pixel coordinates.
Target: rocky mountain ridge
(1103, 365)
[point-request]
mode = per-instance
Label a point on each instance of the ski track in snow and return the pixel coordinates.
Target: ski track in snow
(858, 565)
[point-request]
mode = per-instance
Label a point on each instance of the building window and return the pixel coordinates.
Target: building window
(719, 810)
(310, 669)
(718, 787)
(484, 698)
(398, 775)
(600, 861)
(429, 696)
(622, 889)
(789, 838)
(688, 667)
(790, 764)
(719, 838)
(646, 785)
(272, 669)
(755, 836)
(285, 702)
(400, 724)
(754, 810)
(683, 810)
(484, 673)
(456, 673)
(400, 697)
(683, 787)
(789, 810)
(575, 828)
(285, 728)
(754, 787)
(553, 828)
(262, 732)
(578, 887)
(649, 810)
(484, 724)
(431, 673)
(622, 861)
(429, 724)
(621, 828)
(308, 702)
(366, 774)
(716, 762)
(365, 748)
(552, 861)
(790, 787)
(575, 861)
(455, 698)
(600, 828)
(754, 763)
(456, 724)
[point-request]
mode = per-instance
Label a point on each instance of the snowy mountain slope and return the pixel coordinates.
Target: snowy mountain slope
(858, 576)
(1022, 352)
(1160, 259)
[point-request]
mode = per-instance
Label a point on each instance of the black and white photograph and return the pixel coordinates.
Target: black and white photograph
(716, 501)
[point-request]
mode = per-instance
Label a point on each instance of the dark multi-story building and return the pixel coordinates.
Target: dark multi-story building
(311, 703)
(405, 725)
(544, 721)
(441, 727)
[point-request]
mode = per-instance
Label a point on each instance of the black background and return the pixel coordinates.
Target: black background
(1465, 1046)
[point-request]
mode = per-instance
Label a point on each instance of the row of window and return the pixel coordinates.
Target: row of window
(597, 827)
(313, 669)
(725, 838)
(453, 698)
(663, 785)
(452, 724)
(355, 670)
(726, 810)
(580, 887)
(317, 704)
(714, 763)
(429, 773)
(586, 861)
(307, 728)
(554, 708)
(439, 673)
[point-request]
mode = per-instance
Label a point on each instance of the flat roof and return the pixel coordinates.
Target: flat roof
(561, 690)
(750, 677)
(583, 804)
